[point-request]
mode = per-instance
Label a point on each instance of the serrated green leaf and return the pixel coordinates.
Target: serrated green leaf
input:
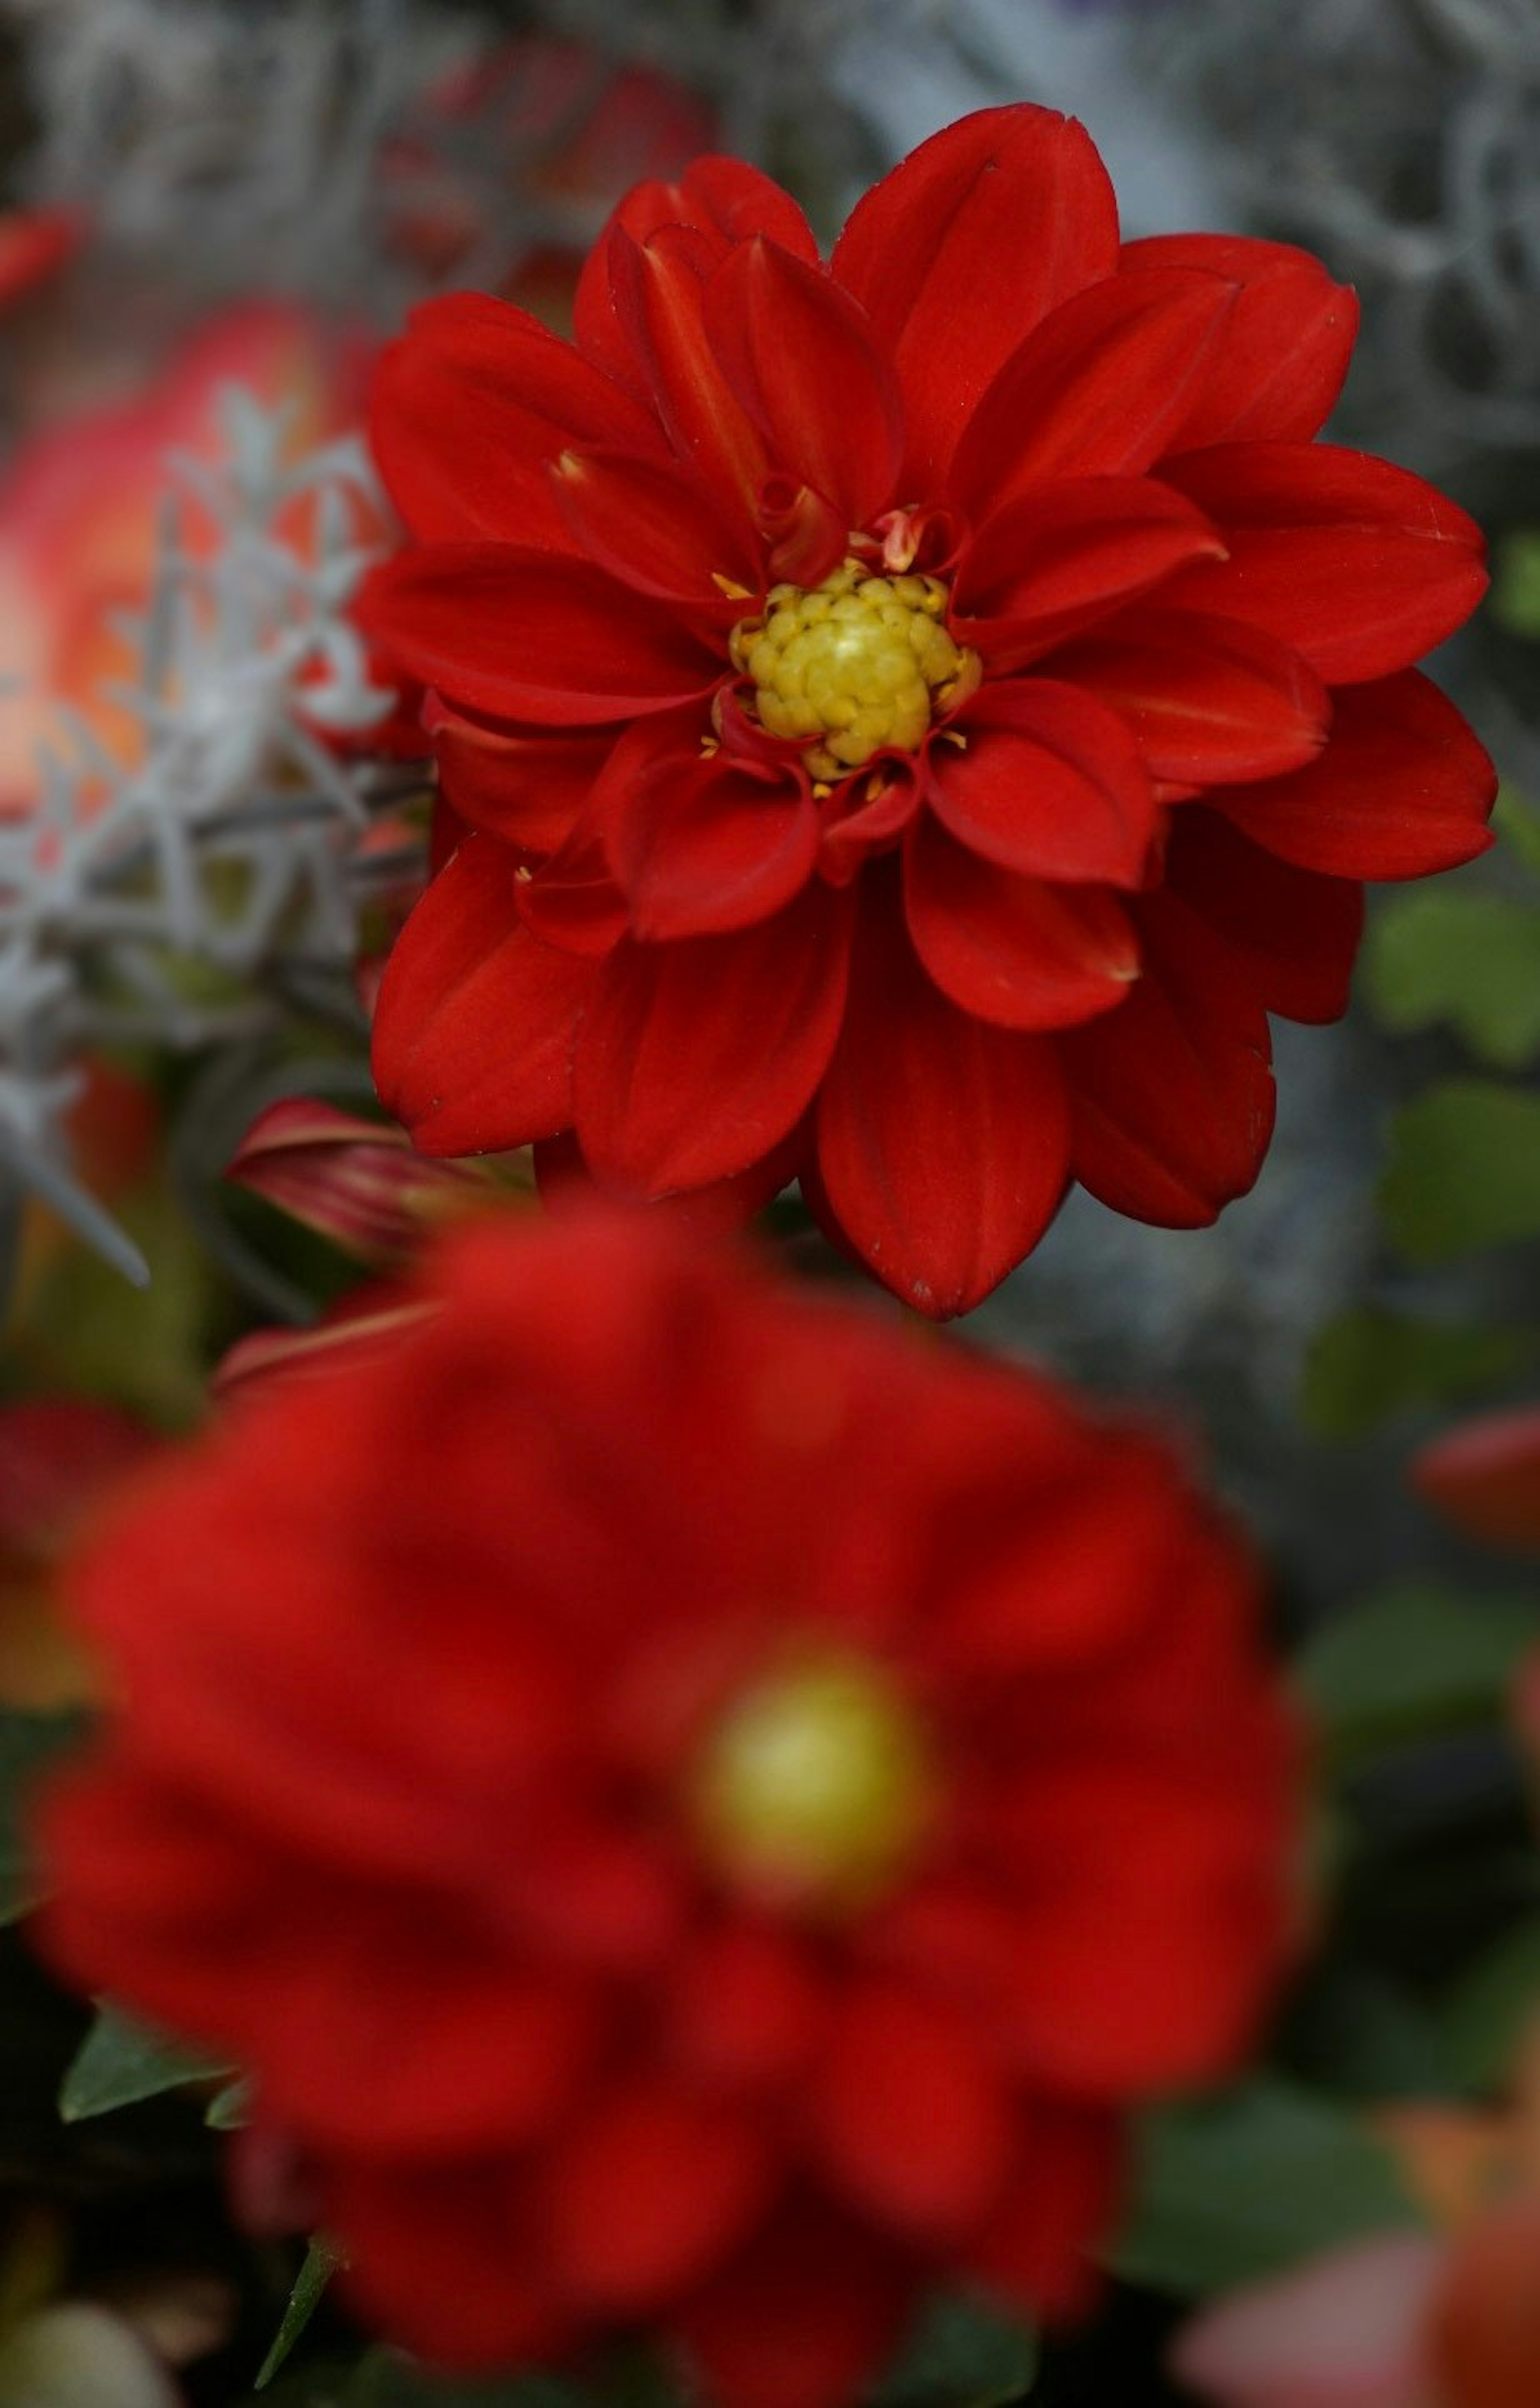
(28, 1743)
(1470, 960)
(1244, 2186)
(321, 2260)
(963, 2353)
(1464, 1170)
(119, 2062)
(1487, 2011)
(1369, 1363)
(1412, 1661)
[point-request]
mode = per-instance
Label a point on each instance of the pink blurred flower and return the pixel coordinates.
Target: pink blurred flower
(1344, 2331)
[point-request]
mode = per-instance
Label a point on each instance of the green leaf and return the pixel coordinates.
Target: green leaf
(28, 1742)
(1368, 1363)
(1517, 824)
(1486, 2013)
(321, 2260)
(1516, 582)
(119, 2062)
(231, 2110)
(1239, 2187)
(1414, 1660)
(963, 2353)
(1469, 959)
(1464, 1170)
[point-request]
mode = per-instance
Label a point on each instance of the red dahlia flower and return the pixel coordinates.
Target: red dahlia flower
(695, 1811)
(912, 718)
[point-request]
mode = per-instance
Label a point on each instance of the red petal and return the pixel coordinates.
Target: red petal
(1171, 1094)
(805, 2317)
(472, 1033)
(1057, 559)
(726, 200)
(528, 635)
(1484, 1478)
(696, 1058)
(562, 1177)
(1096, 389)
(651, 524)
(471, 406)
(942, 1141)
(648, 2196)
(1048, 781)
(909, 2117)
(968, 244)
(519, 783)
(441, 2256)
(660, 296)
(1295, 933)
(1279, 365)
(745, 2008)
(702, 845)
(359, 1184)
(1207, 699)
(572, 900)
(1037, 2248)
(1360, 566)
(801, 358)
(1011, 950)
(1403, 788)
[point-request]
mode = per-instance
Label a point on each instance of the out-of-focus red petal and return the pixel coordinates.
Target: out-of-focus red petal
(803, 361)
(705, 844)
(806, 2315)
(909, 2118)
(1031, 2252)
(1207, 698)
(660, 294)
(965, 248)
(562, 1178)
(445, 2258)
(520, 783)
(1360, 566)
(528, 635)
(696, 1058)
(1483, 2330)
(1403, 787)
(1296, 931)
(1015, 951)
(1049, 782)
(33, 243)
(1279, 365)
(1484, 1477)
(652, 523)
(1171, 1094)
(942, 1141)
(745, 2008)
(726, 200)
(1096, 389)
(650, 2193)
(1054, 562)
(471, 406)
(474, 1028)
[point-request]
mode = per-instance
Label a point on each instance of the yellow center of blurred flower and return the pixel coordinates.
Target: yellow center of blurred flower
(861, 663)
(816, 1785)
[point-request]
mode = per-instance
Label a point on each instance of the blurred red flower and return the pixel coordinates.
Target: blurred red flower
(913, 718)
(1484, 1476)
(698, 1811)
(61, 1459)
(34, 245)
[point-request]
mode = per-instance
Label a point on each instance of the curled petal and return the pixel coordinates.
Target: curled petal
(700, 845)
(471, 405)
(1054, 562)
(1015, 951)
(1403, 788)
(1097, 388)
(359, 1184)
(1276, 371)
(1360, 565)
(652, 523)
(965, 248)
(1046, 780)
(1295, 932)
(572, 900)
(528, 635)
(522, 784)
(803, 361)
(660, 298)
(694, 1058)
(942, 1141)
(1172, 1095)
(473, 1029)
(1208, 699)
(362, 1330)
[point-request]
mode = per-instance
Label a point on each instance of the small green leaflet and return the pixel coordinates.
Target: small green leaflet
(1470, 960)
(1412, 1661)
(119, 2062)
(1464, 1170)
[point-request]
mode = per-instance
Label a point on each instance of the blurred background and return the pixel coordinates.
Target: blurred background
(205, 198)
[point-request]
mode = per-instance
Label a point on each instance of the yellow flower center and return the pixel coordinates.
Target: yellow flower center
(815, 1786)
(861, 663)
